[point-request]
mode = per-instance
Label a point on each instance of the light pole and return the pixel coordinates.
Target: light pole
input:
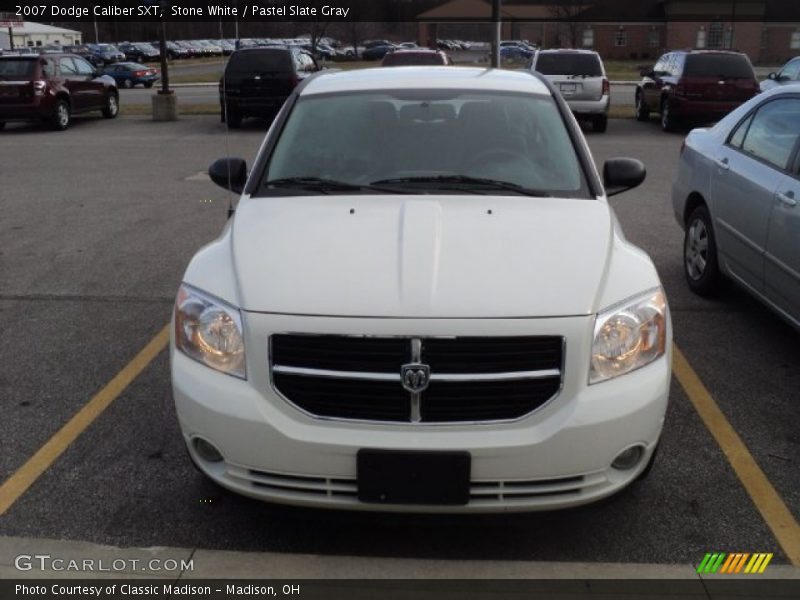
(496, 34)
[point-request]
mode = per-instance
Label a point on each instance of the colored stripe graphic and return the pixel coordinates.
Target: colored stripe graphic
(735, 562)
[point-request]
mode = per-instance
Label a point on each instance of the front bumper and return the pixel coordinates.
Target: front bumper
(556, 457)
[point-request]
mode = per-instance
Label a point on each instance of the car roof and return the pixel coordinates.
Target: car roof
(417, 51)
(391, 78)
(702, 51)
(567, 51)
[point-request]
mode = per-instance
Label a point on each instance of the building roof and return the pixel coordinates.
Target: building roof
(31, 28)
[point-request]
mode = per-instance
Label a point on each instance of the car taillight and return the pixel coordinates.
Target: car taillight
(140, 73)
(39, 87)
(606, 87)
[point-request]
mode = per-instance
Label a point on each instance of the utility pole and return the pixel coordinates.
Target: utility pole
(495, 62)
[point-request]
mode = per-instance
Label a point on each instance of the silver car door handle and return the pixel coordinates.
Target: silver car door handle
(723, 164)
(786, 199)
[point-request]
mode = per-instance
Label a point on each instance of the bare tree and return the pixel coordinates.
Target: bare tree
(568, 14)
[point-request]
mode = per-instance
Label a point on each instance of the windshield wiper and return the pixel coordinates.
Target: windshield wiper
(461, 180)
(328, 186)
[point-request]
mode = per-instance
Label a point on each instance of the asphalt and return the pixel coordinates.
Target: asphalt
(99, 223)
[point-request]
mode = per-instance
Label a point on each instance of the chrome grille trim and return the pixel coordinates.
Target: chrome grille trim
(443, 377)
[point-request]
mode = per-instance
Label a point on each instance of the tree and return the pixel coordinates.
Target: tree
(568, 14)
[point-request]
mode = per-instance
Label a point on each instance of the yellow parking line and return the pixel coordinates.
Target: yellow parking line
(774, 511)
(27, 474)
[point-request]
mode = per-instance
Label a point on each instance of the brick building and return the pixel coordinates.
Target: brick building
(767, 30)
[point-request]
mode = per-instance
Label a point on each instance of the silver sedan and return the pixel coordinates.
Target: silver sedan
(736, 196)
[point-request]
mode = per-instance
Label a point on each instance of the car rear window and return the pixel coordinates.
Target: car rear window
(261, 61)
(569, 64)
(17, 67)
(718, 65)
(421, 58)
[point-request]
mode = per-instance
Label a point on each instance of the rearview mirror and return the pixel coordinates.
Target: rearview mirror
(622, 174)
(229, 173)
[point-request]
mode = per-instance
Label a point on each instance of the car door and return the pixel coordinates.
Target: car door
(74, 82)
(782, 261)
(744, 181)
(652, 86)
(93, 88)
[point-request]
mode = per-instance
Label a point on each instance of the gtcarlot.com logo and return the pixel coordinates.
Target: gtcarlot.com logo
(735, 563)
(46, 562)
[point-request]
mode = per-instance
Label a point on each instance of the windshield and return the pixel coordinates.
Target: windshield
(432, 140)
(569, 64)
(107, 48)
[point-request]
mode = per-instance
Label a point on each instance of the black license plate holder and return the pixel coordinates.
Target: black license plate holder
(420, 478)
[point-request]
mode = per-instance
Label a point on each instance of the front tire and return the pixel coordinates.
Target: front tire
(668, 120)
(600, 123)
(642, 114)
(700, 263)
(111, 109)
(61, 116)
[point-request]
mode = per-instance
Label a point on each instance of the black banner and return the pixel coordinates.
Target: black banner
(245, 11)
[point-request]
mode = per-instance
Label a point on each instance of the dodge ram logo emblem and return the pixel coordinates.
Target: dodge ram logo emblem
(415, 377)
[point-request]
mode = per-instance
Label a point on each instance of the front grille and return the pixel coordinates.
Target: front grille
(457, 379)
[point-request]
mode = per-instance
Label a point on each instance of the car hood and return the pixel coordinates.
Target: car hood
(421, 256)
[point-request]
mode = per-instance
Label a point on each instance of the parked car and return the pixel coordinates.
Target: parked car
(139, 52)
(192, 50)
(418, 56)
(695, 86)
(105, 54)
(736, 196)
(84, 52)
(515, 50)
(131, 74)
(377, 52)
(392, 362)
(257, 81)
(52, 88)
(789, 73)
(174, 51)
(580, 76)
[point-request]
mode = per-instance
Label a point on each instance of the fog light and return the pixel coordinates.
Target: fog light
(207, 450)
(629, 458)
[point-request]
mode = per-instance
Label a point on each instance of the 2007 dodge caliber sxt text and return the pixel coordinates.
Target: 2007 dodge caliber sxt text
(423, 303)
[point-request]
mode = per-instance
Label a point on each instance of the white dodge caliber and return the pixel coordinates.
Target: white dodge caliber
(422, 303)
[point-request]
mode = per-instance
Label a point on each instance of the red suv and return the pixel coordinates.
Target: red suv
(695, 85)
(52, 88)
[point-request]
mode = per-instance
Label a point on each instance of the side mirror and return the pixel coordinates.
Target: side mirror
(229, 173)
(622, 174)
(773, 76)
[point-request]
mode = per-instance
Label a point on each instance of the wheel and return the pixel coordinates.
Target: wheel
(700, 254)
(642, 114)
(148, 84)
(668, 120)
(233, 118)
(111, 108)
(61, 116)
(127, 83)
(600, 123)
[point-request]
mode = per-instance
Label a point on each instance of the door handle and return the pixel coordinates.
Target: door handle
(787, 199)
(723, 164)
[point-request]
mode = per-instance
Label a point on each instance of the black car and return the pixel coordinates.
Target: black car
(139, 52)
(257, 81)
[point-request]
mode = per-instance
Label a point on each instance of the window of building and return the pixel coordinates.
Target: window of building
(652, 38)
(701, 37)
(727, 40)
(794, 44)
(588, 38)
(620, 37)
(715, 33)
(38, 42)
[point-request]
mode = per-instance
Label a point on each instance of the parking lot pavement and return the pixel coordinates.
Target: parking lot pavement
(99, 223)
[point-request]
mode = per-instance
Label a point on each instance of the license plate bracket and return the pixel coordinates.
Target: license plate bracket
(568, 88)
(416, 478)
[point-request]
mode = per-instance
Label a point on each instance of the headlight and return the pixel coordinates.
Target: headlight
(629, 335)
(209, 331)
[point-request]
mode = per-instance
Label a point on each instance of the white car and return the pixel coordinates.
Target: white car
(423, 303)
